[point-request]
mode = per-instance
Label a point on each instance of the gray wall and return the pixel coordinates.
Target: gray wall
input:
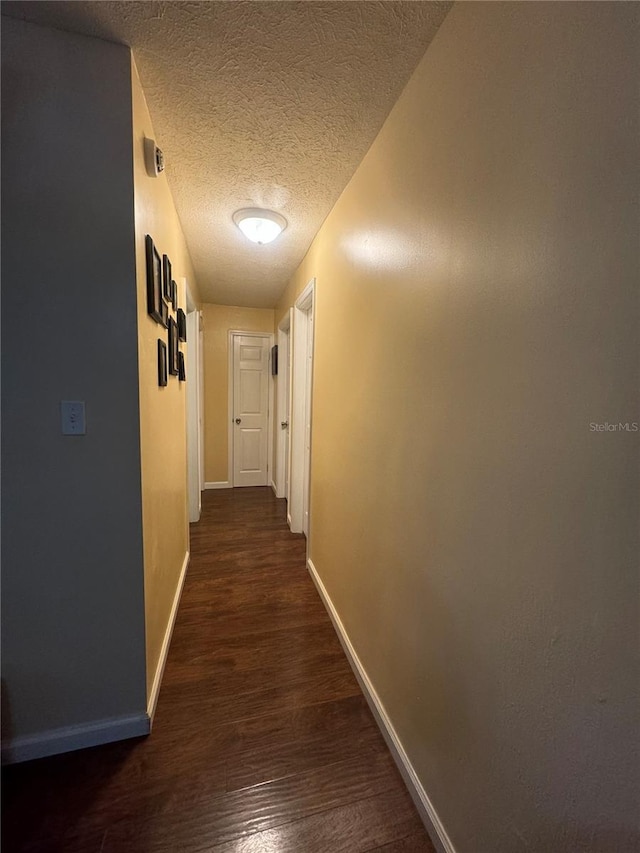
(72, 574)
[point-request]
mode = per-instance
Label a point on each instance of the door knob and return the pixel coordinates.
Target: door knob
(238, 420)
(284, 424)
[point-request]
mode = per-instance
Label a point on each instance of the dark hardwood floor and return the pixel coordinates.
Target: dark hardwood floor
(262, 741)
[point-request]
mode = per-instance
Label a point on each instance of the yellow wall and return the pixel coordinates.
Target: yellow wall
(218, 321)
(476, 312)
(162, 410)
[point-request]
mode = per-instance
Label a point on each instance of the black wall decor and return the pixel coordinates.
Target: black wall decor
(182, 324)
(154, 280)
(166, 275)
(162, 301)
(173, 347)
(162, 363)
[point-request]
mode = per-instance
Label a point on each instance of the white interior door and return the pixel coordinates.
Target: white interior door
(250, 410)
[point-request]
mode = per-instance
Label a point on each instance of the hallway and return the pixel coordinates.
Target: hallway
(262, 741)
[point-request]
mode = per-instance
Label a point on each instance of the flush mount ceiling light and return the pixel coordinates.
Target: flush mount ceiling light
(259, 226)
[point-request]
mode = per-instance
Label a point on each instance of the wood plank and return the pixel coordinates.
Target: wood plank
(335, 732)
(332, 683)
(417, 842)
(191, 821)
(353, 828)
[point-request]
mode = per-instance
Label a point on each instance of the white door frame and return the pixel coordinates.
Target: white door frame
(195, 449)
(283, 404)
(201, 395)
(231, 432)
(301, 393)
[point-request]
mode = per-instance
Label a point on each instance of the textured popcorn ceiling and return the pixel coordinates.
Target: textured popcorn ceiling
(265, 104)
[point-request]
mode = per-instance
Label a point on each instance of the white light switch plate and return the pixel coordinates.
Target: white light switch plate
(73, 420)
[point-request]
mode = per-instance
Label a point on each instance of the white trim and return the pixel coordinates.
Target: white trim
(193, 410)
(70, 738)
(308, 418)
(299, 475)
(201, 396)
(219, 484)
(270, 411)
(164, 651)
(273, 486)
(192, 305)
(432, 822)
(283, 408)
(305, 300)
(230, 409)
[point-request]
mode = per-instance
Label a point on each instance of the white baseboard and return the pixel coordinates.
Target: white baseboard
(273, 486)
(220, 484)
(427, 812)
(70, 738)
(164, 651)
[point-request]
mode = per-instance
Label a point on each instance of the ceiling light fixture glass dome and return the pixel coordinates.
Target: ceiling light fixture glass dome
(259, 226)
